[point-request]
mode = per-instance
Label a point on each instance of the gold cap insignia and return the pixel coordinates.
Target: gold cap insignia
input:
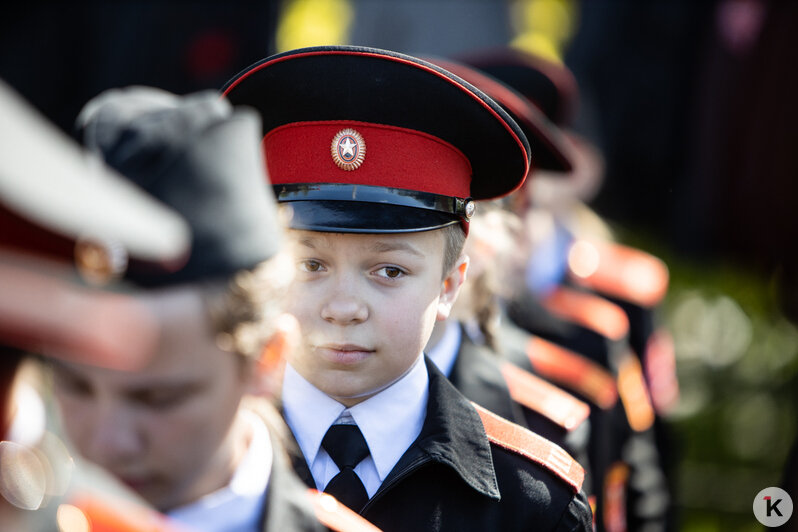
(100, 262)
(348, 149)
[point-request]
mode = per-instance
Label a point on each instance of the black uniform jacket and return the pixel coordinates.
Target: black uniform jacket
(453, 478)
(477, 374)
(626, 473)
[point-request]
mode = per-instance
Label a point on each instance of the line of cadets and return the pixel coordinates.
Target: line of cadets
(372, 175)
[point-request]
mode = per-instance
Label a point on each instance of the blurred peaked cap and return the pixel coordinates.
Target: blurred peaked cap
(58, 209)
(366, 140)
(52, 194)
(550, 85)
(199, 156)
(545, 139)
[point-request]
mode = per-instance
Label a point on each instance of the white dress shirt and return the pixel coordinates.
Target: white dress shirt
(236, 507)
(444, 353)
(390, 422)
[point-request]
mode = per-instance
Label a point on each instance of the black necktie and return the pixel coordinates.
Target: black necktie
(347, 447)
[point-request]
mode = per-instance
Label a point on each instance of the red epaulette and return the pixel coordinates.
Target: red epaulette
(526, 443)
(588, 310)
(573, 371)
(615, 487)
(660, 370)
(634, 393)
(85, 511)
(337, 516)
(619, 271)
(544, 398)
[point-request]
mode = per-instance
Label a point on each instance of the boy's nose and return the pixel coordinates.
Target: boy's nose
(114, 437)
(344, 309)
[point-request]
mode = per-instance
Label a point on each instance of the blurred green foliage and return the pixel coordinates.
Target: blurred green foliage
(737, 361)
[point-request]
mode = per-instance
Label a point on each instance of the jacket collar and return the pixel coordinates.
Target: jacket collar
(477, 375)
(287, 505)
(452, 435)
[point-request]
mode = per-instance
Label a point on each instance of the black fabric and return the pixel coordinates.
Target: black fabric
(545, 140)
(612, 441)
(452, 478)
(287, 506)
(476, 374)
(347, 447)
(198, 156)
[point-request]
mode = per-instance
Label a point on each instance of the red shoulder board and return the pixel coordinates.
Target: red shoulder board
(588, 310)
(102, 515)
(546, 399)
(634, 393)
(337, 516)
(619, 271)
(515, 438)
(615, 481)
(660, 366)
(573, 372)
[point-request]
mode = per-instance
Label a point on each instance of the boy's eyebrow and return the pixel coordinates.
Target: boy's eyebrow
(384, 247)
(307, 242)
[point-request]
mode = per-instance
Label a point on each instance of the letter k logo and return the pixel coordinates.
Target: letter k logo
(772, 506)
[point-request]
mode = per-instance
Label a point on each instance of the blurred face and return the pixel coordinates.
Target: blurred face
(367, 305)
(168, 431)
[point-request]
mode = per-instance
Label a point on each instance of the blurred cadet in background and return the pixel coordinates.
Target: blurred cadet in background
(467, 350)
(623, 459)
(192, 431)
(60, 215)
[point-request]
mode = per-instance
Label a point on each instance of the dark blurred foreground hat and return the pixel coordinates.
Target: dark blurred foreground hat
(198, 156)
(60, 210)
(367, 140)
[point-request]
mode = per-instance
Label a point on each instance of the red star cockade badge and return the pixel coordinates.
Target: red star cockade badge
(348, 149)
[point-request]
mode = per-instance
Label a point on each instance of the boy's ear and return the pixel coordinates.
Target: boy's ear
(271, 363)
(450, 287)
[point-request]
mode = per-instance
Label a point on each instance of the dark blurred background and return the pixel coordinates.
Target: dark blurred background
(691, 103)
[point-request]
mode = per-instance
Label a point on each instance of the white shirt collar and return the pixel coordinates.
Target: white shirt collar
(444, 353)
(390, 420)
(236, 507)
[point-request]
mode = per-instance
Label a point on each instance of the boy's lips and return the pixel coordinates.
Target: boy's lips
(138, 483)
(344, 353)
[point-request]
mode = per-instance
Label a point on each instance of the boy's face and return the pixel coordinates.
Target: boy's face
(165, 431)
(367, 304)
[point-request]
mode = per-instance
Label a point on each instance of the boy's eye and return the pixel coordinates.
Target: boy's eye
(390, 272)
(161, 399)
(310, 265)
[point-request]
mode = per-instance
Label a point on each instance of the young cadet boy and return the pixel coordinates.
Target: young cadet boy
(185, 431)
(380, 156)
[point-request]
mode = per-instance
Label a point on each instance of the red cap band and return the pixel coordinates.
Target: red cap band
(302, 152)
